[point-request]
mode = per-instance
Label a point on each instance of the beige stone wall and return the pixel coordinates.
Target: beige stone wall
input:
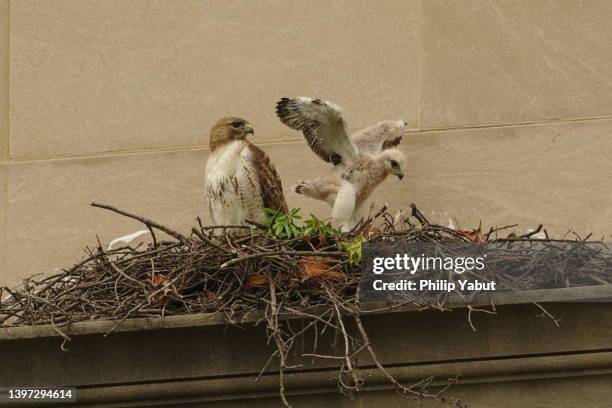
(111, 101)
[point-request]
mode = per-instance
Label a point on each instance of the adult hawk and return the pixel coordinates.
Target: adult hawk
(240, 180)
(361, 161)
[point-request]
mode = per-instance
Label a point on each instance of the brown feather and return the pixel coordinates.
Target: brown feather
(223, 132)
(391, 143)
(289, 114)
(270, 182)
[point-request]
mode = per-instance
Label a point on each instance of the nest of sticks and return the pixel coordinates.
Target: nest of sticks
(248, 274)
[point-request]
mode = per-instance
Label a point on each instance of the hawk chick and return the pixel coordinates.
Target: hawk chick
(361, 161)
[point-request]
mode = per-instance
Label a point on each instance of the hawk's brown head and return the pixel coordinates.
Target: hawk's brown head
(227, 130)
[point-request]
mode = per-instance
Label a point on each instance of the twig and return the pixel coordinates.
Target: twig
(211, 242)
(145, 221)
(281, 253)
(418, 215)
(273, 328)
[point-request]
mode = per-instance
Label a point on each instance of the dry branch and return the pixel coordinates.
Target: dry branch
(242, 270)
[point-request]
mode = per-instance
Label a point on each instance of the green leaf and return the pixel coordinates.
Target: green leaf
(353, 249)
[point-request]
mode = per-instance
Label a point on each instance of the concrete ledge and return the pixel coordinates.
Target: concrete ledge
(514, 358)
(601, 293)
(321, 381)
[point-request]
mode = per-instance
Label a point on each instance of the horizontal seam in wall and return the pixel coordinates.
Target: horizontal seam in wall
(370, 366)
(517, 124)
(154, 150)
(288, 141)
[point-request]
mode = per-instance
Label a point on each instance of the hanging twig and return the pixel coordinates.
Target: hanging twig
(145, 221)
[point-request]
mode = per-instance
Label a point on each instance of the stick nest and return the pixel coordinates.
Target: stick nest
(244, 272)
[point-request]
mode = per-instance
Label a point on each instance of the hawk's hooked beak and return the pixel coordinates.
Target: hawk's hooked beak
(248, 129)
(399, 174)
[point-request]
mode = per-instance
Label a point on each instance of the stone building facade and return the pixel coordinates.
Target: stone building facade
(111, 101)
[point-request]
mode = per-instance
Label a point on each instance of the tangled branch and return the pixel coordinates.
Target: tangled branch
(239, 271)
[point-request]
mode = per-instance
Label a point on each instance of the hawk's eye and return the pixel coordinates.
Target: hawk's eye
(237, 125)
(394, 164)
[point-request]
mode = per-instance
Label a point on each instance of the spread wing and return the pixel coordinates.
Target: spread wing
(323, 127)
(380, 136)
(271, 189)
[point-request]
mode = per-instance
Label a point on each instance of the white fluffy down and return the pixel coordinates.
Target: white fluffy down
(352, 181)
(232, 197)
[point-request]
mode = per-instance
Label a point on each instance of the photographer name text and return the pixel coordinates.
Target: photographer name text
(440, 285)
